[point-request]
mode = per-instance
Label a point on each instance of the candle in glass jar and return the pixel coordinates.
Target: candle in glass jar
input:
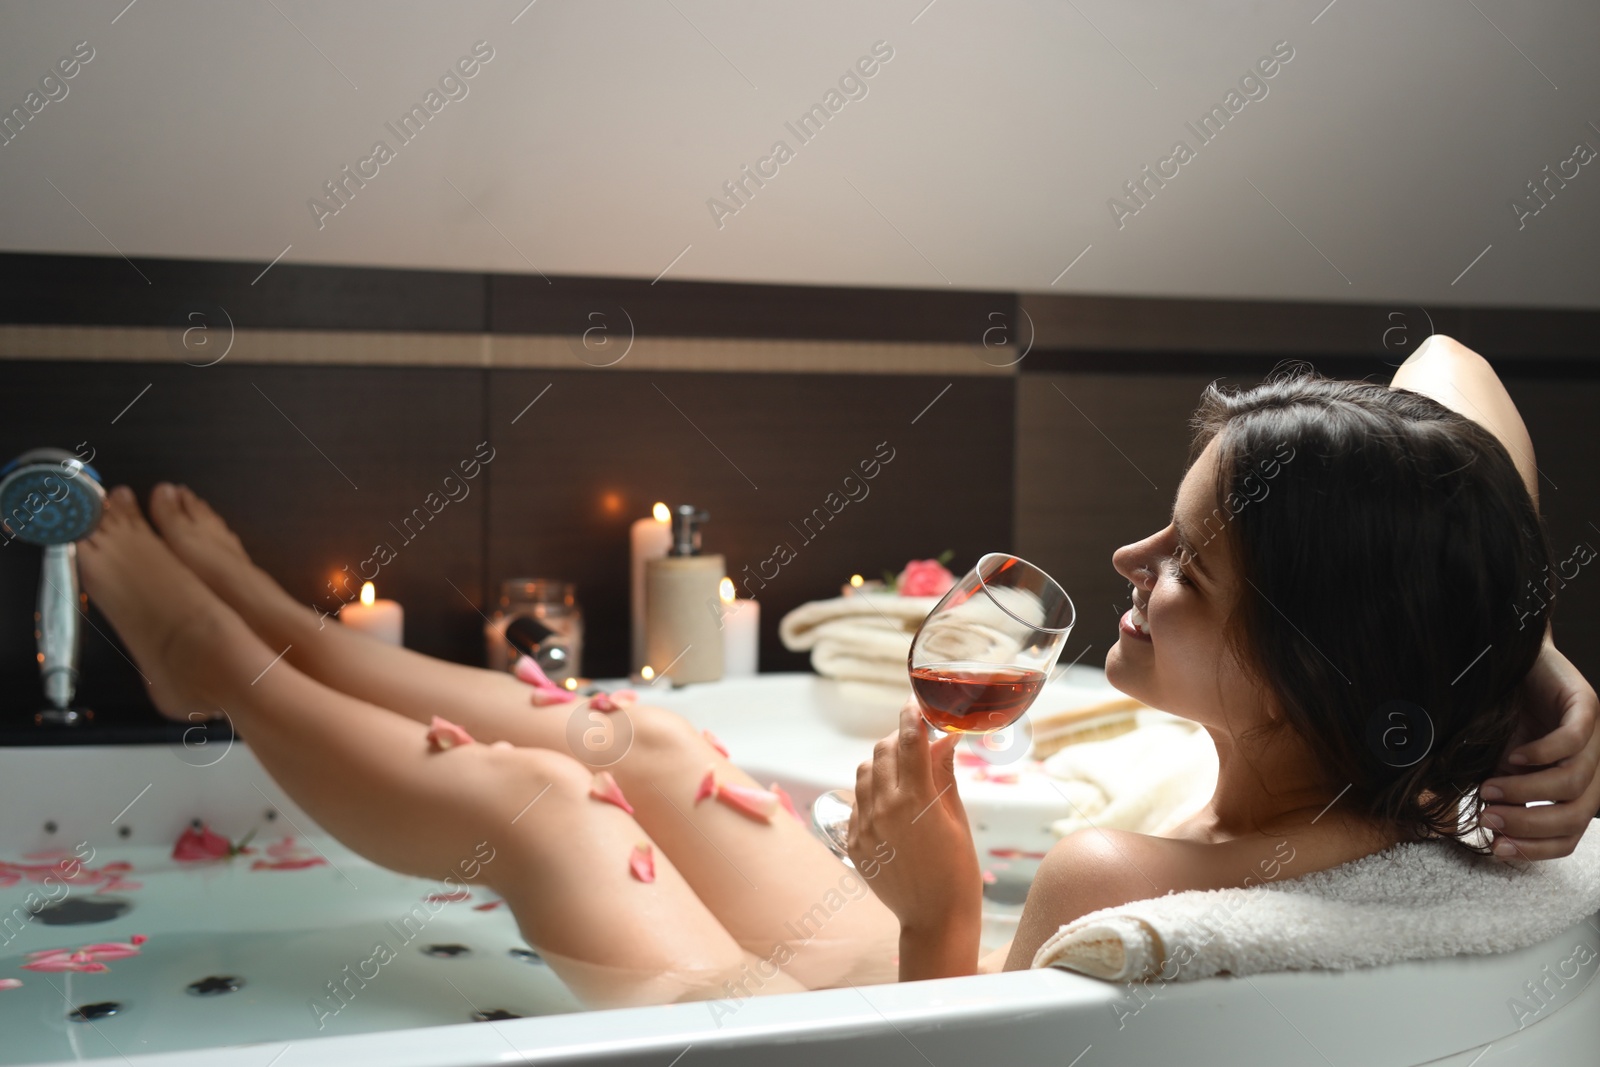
(647, 539)
(383, 619)
(741, 633)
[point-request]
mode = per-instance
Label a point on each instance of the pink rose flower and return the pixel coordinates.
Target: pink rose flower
(925, 577)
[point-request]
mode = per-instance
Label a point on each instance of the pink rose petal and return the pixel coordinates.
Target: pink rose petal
(604, 702)
(110, 950)
(528, 670)
(989, 878)
(196, 845)
(543, 698)
(138, 939)
(643, 863)
(711, 739)
(443, 735)
(10, 983)
(708, 786)
(756, 803)
(488, 905)
(605, 787)
(288, 865)
(785, 799)
(48, 953)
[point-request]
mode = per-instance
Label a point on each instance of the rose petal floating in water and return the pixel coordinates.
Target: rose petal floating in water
(200, 843)
(10, 983)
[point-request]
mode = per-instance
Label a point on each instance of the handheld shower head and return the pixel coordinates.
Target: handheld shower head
(49, 497)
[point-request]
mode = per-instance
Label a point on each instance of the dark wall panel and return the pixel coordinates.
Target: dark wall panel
(309, 465)
(1099, 459)
(759, 452)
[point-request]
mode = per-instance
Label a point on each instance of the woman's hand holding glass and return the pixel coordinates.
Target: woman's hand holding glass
(910, 838)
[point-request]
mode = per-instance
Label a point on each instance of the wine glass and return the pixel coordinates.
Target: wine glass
(977, 662)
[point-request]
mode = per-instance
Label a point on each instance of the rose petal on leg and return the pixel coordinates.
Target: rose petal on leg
(758, 804)
(443, 734)
(528, 670)
(643, 863)
(785, 799)
(605, 788)
(714, 742)
(544, 698)
(708, 786)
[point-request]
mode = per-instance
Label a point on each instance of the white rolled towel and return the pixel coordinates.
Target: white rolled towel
(1422, 900)
(861, 638)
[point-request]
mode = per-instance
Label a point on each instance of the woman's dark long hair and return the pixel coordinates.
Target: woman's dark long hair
(1385, 574)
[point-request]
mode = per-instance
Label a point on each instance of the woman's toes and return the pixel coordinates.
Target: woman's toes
(165, 505)
(118, 504)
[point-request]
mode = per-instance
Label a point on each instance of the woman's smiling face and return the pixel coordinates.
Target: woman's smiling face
(1171, 652)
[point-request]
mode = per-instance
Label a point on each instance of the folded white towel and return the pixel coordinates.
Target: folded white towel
(1413, 901)
(1150, 778)
(861, 638)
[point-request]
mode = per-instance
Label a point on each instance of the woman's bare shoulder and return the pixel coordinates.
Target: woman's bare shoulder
(1094, 869)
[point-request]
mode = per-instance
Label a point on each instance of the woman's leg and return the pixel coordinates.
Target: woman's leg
(559, 857)
(767, 884)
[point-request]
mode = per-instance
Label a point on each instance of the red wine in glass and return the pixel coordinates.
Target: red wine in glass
(972, 698)
(976, 663)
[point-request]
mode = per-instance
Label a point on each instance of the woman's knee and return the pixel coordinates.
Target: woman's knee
(509, 781)
(657, 729)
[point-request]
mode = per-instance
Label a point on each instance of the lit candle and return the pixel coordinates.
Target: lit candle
(647, 539)
(741, 633)
(858, 584)
(383, 619)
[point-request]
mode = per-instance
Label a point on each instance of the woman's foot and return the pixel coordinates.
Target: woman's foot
(200, 538)
(192, 651)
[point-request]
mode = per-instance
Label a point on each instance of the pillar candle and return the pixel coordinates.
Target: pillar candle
(647, 539)
(383, 619)
(741, 633)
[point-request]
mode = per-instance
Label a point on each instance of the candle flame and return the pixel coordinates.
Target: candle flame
(725, 590)
(661, 513)
(571, 683)
(647, 672)
(856, 581)
(368, 593)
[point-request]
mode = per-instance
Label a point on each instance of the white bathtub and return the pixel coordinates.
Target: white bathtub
(285, 933)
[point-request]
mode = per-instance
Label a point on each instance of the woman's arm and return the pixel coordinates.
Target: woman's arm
(1461, 380)
(1561, 705)
(908, 809)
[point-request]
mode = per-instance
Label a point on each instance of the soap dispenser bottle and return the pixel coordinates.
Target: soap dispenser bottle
(683, 631)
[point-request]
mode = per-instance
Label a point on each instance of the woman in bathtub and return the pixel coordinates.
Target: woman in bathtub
(1399, 556)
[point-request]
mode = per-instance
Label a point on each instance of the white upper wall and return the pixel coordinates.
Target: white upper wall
(1384, 157)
